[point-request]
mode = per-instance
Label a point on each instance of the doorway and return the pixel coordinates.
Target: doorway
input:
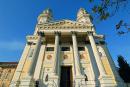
(66, 76)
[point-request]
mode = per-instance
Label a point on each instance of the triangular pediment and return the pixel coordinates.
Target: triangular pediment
(65, 24)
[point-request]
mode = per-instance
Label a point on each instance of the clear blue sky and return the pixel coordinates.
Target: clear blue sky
(19, 17)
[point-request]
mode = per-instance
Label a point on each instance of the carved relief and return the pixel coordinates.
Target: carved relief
(49, 57)
(82, 56)
(65, 57)
(64, 24)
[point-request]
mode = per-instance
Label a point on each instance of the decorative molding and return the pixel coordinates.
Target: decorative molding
(31, 38)
(99, 36)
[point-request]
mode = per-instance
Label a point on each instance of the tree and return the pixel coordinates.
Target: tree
(124, 69)
(104, 9)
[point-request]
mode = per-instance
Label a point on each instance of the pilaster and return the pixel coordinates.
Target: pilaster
(117, 78)
(78, 76)
(54, 77)
(28, 81)
(16, 78)
(39, 63)
(96, 54)
(56, 52)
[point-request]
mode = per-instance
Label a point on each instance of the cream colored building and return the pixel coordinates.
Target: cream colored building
(66, 53)
(7, 70)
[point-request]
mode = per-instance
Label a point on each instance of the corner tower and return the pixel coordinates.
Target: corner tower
(45, 16)
(83, 16)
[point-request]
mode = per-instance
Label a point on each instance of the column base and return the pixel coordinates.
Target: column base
(14, 84)
(79, 80)
(92, 83)
(53, 81)
(109, 81)
(27, 82)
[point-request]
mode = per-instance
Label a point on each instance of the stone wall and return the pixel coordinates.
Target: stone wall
(7, 70)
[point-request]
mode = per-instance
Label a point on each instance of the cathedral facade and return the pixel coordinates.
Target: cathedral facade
(66, 53)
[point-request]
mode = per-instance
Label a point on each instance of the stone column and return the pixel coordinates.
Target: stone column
(39, 63)
(56, 52)
(54, 78)
(94, 68)
(76, 55)
(35, 55)
(96, 54)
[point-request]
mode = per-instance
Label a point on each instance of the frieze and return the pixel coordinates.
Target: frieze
(65, 24)
(64, 27)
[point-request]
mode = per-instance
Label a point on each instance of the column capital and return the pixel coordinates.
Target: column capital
(57, 33)
(74, 32)
(29, 43)
(89, 32)
(40, 34)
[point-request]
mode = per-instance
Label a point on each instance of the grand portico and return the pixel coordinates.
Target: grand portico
(66, 54)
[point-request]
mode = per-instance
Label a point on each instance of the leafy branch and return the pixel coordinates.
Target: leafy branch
(108, 8)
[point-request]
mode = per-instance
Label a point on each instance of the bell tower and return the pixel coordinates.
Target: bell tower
(83, 16)
(45, 16)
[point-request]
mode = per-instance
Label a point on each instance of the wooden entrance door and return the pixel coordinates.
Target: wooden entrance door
(66, 76)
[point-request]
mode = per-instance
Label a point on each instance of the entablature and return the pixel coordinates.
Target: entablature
(65, 31)
(64, 24)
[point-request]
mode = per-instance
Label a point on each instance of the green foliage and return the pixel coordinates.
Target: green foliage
(90, 0)
(124, 69)
(120, 25)
(104, 9)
